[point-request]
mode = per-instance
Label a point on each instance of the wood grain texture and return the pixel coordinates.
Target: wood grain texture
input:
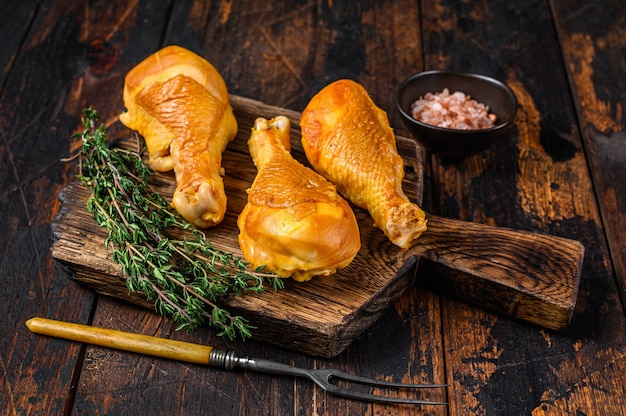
(12, 33)
(35, 378)
(558, 173)
(528, 276)
(591, 35)
(40, 98)
(543, 184)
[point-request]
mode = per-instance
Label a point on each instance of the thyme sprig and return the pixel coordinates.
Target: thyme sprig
(161, 255)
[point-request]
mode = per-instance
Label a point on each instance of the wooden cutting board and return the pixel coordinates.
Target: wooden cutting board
(524, 275)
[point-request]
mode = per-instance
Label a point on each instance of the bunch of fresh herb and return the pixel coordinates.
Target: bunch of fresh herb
(184, 276)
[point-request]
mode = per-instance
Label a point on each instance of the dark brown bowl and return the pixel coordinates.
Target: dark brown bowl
(453, 144)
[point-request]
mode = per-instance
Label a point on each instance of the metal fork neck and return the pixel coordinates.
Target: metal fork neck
(226, 359)
(229, 360)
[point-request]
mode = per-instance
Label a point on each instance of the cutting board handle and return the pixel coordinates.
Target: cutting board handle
(526, 275)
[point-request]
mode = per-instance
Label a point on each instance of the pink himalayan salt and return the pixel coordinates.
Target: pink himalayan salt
(453, 111)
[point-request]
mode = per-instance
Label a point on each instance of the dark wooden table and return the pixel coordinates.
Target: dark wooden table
(561, 171)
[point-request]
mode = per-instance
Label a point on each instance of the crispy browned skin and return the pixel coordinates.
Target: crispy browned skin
(348, 140)
(295, 223)
(179, 103)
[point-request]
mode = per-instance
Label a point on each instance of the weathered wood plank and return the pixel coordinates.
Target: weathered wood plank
(37, 117)
(544, 185)
(17, 17)
(35, 374)
(592, 36)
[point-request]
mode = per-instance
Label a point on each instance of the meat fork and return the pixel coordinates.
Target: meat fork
(202, 354)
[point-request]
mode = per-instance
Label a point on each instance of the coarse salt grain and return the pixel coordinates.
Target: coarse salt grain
(453, 111)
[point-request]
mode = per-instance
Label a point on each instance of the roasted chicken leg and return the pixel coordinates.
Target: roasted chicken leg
(294, 222)
(348, 140)
(179, 103)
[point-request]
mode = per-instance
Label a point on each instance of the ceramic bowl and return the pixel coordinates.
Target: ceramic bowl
(452, 144)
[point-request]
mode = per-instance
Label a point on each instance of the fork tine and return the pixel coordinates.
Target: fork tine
(369, 397)
(323, 377)
(380, 383)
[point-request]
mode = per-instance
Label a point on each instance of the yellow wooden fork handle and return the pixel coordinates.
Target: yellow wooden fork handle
(142, 344)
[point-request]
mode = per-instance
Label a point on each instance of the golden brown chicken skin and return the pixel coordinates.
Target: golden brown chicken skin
(348, 140)
(179, 103)
(294, 222)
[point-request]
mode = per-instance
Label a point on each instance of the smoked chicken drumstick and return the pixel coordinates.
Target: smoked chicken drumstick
(179, 103)
(348, 140)
(294, 222)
